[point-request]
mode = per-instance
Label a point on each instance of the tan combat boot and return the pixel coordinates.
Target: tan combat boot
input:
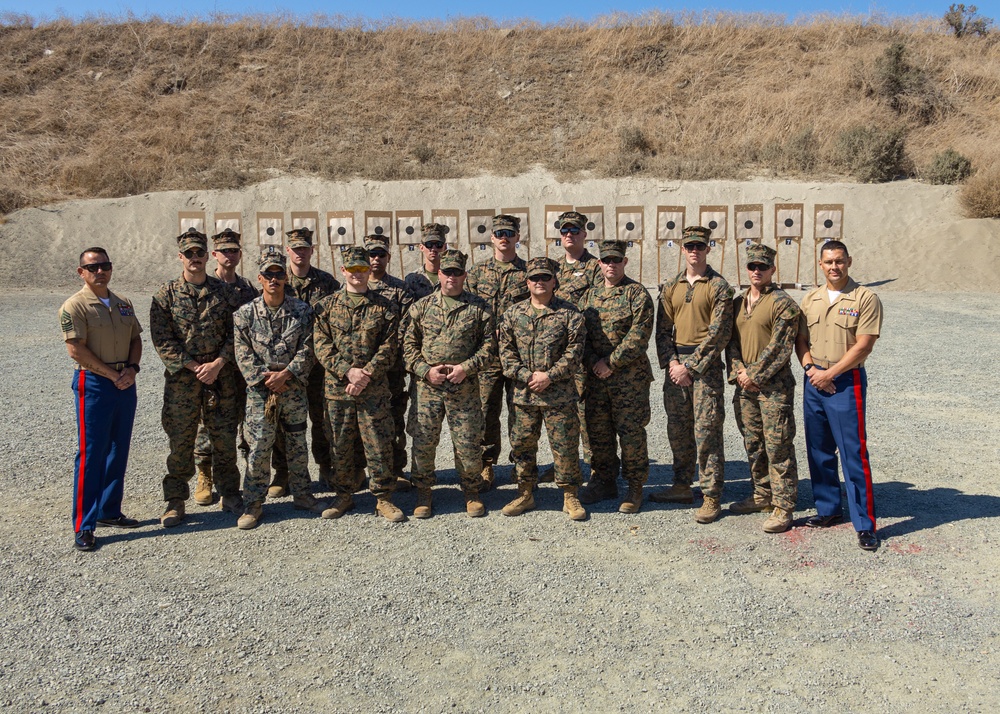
(233, 504)
(341, 505)
(424, 499)
(308, 502)
(524, 502)
(474, 506)
(571, 504)
(633, 499)
(709, 510)
(779, 521)
(203, 490)
(174, 513)
(678, 493)
(252, 515)
(489, 478)
(598, 490)
(387, 509)
(755, 503)
(278, 487)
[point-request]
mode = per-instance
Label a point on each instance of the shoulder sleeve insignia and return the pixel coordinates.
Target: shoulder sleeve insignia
(66, 321)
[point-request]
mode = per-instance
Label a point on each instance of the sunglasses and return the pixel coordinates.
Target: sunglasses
(377, 253)
(94, 267)
(357, 268)
(696, 246)
(758, 267)
(453, 272)
(504, 233)
(540, 278)
(612, 259)
(229, 251)
(274, 275)
(194, 253)
(434, 245)
(569, 231)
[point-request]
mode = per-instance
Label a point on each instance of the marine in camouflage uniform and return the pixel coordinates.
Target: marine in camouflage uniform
(356, 342)
(448, 343)
(423, 282)
(541, 351)
(191, 324)
(693, 326)
(758, 357)
(312, 287)
(619, 317)
(499, 280)
(273, 344)
(227, 251)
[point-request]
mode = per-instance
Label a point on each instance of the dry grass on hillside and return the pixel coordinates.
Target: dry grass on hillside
(109, 108)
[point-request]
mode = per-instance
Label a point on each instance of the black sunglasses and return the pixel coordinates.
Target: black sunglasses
(194, 253)
(274, 275)
(453, 272)
(569, 230)
(696, 246)
(612, 259)
(94, 267)
(229, 251)
(504, 233)
(378, 253)
(433, 244)
(755, 267)
(540, 278)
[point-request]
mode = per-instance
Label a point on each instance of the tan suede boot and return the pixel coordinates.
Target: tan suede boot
(633, 499)
(341, 505)
(388, 510)
(203, 495)
(174, 513)
(474, 507)
(709, 510)
(524, 502)
(571, 504)
(779, 521)
(253, 515)
(308, 502)
(678, 493)
(278, 487)
(489, 479)
(424, 507)
(754, 503)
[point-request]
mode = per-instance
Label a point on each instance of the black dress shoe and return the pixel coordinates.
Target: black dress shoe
(120, 522)
(823, 521)
(867, 540)
(85, 541)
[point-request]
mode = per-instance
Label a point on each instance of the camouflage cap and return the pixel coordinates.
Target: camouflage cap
(300, 238)
(271, 257)
(695, 234)
(452, 258)
(192, 238)
(227, 239)
(758, 253)
(374, 241)
(433, 231)
(613, 247)
(572, 218)
(506, 222)
(355, 257)
(542, 266)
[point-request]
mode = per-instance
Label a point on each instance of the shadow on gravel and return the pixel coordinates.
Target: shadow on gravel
(876, 283)
(929, 508)
(193, 522)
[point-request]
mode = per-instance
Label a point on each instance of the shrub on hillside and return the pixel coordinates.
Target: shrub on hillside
(948, 167)
(871, 154)
(904, 87)
(965, 20)
(980, 196)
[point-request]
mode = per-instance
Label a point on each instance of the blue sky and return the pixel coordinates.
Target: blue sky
(512, 10)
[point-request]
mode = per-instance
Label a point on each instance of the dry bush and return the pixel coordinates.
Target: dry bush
(871, 154)
(980, 195)
(948, 167)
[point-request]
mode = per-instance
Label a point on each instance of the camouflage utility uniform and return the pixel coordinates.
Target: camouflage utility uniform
(420, 283)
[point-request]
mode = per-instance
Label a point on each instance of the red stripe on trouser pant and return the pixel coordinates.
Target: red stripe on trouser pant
(81, 388)
(859, 405)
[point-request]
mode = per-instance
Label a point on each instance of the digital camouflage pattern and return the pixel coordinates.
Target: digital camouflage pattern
(438, 334)
(550, 340)
(766, 417)
(420, 284)
(187, 323)
(362, 336)
(575, 279)
(695, 414)
(266, 341)
(619, 326)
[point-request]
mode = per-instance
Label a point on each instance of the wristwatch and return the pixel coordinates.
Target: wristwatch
(134, 365)
(807, 367)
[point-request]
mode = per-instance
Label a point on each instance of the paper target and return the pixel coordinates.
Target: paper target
(449, 219)
(408, 225)
(595, 226)
(379, 223)
(480, 227)
(190, 219)
(787, 220)
(232, 221)
(340, 227)
(829, 222)
(270, 228)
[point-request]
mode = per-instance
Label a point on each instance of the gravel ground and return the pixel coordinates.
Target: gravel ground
(650, 612)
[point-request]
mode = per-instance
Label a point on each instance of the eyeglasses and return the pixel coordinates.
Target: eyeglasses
(758, 267)
(194, 253)
(540, 278)
(433, 244)
(357, 268)
(569, 231)
(696, 246)
(504, 233)
(274, 275)
(612, 259)
(377, 253)
(94, 267)
(229, 251)
(453, 272)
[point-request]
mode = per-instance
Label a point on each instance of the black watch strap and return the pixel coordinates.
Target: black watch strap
(807, 367)
(134, 365)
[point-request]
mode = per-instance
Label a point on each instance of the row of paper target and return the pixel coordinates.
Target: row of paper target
(743, 223)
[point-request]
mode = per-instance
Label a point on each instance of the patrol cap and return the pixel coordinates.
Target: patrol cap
(613, 247)
(433, 231)
(192, 238)
(300, 238)
(542, 266)
(507, 222)
(758, 253)
(271, 257)
(695, 234)
(374, 241)
(572, 218)
(355, 257)
(227, 239)
(452, 258)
